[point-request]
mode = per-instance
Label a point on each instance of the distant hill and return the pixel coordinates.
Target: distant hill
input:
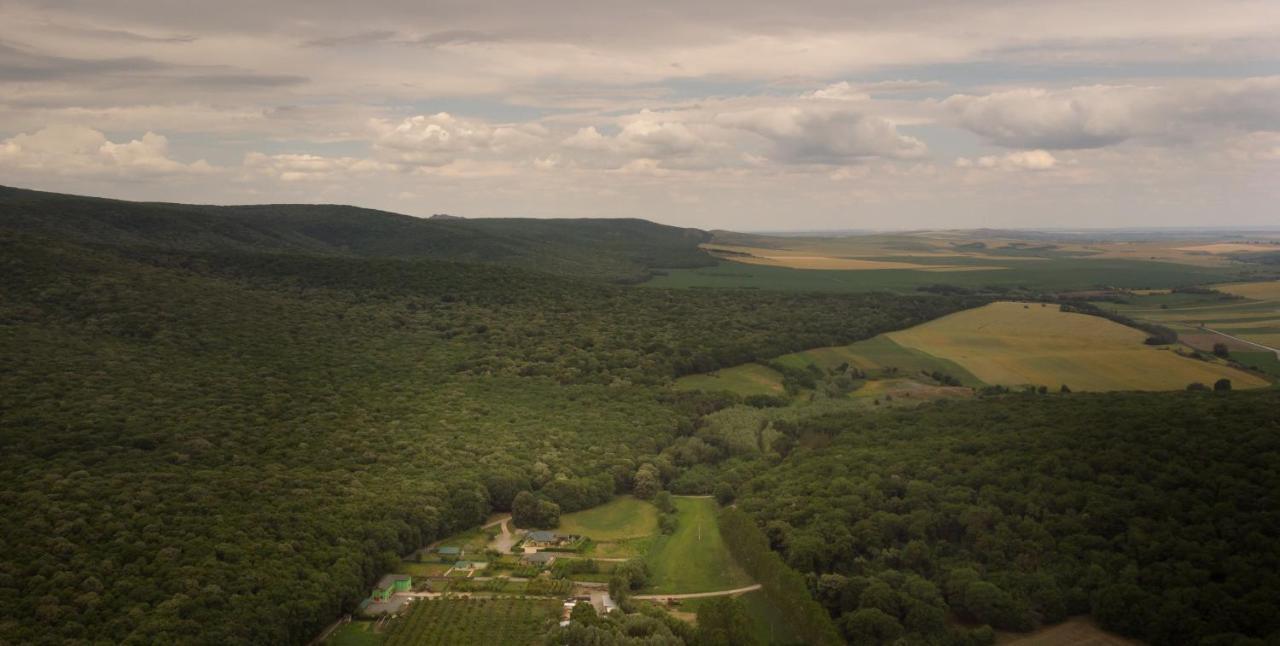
(624, 250)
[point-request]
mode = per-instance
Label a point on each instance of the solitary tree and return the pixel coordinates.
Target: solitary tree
(1220, 350)
(1223, 384)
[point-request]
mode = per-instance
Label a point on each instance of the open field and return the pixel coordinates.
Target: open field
(1076, 631)
(623, 517)
(694, 558)
(747, 379)
(482, 622)
(1017, 344)
(1265, 290)
(876, 355)
(1202, 320)
(1047, 274)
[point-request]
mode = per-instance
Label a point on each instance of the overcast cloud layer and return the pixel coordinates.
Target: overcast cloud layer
(744, 115)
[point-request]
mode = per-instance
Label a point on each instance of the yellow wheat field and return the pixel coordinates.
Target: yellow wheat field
(1015, 344)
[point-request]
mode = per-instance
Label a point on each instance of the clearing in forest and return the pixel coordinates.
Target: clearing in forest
(694, 558)
(1016, 344)
(877, 355)
(624, 517)
(748, 379)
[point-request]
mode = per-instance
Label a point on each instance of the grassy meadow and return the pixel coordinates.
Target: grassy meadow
(624, 517)
(876, 355)
(747, 379)
(1015, 344)
(694, 558)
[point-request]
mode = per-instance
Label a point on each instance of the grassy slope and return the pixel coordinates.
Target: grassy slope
(747, 379)
(1052, 274)
(877, 354)
(694, 558)
(621, 518)
(1012, 344)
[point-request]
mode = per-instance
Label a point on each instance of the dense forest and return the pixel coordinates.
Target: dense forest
(227, 446)
(1154, 513)
(221, 424)
(618, 250)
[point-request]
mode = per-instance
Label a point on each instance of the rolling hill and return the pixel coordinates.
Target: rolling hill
(620, 250)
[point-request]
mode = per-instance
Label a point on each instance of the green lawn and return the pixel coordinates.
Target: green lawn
(621, 518)
(747, 379)
(694, 558)
(356, 633)
(1055, 274)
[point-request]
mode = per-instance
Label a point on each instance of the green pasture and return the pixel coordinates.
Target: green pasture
(694, 558)
(621, 518)
(747, 379)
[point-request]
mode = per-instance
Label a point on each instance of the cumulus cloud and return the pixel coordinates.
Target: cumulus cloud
(1104, 115)
(646, 135)
(78, 150)
(824, 134)
(439, 139)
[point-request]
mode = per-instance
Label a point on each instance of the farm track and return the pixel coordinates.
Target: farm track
(1247, 341)
(699, 595)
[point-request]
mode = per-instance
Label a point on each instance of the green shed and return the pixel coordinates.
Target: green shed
(391, 584)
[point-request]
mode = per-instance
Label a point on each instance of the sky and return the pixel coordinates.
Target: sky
(742, 114)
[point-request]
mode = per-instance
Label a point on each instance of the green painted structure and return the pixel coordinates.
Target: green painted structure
(391, 584)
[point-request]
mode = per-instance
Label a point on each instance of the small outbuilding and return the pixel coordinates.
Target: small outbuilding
(391, 584)
(538, 558)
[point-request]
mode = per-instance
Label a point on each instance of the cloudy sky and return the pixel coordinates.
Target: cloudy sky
(739, 114)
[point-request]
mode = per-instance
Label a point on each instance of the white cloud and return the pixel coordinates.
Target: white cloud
(78, 150)
(816, 133)
(304, 168)
(1034, 160)
(439, 139)
(1103, 115)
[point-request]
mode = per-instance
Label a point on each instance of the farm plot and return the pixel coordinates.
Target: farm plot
(479, 622)
(1016, 344)
(694, 558)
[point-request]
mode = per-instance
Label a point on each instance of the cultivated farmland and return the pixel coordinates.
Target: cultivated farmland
(1015, 344)
(482, 622)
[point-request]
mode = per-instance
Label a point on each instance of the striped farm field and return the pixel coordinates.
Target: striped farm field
(1015, 344)
(481, 622)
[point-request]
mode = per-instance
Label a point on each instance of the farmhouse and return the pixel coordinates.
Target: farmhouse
(390, 584)
(543, 539)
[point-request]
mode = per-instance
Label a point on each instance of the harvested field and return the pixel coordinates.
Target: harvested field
(1016, 344)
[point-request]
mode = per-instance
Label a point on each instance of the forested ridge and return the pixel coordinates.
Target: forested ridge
(229, 446)
(620, 250)
(1155, 513)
